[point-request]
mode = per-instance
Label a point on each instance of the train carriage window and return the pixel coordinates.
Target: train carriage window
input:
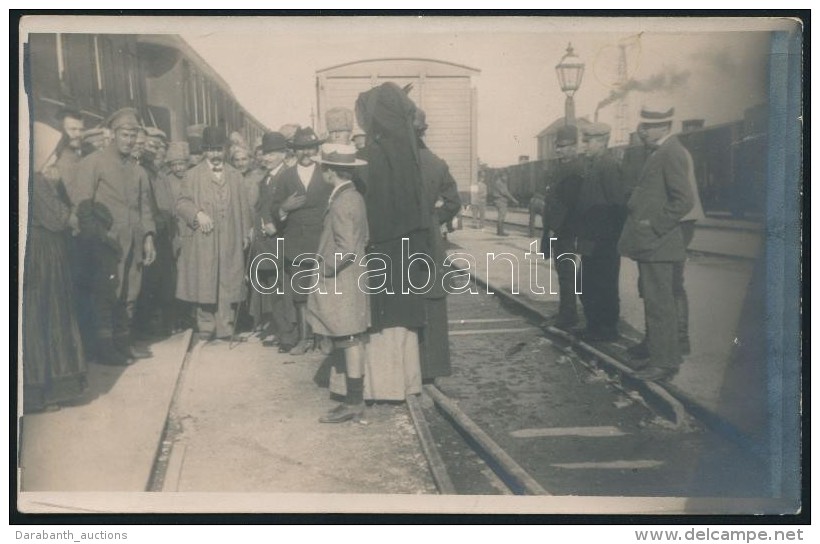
(79, 72)
(44, 66)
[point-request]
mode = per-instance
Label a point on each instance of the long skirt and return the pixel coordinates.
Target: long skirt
(54, 369)
(434, 340)
(392, 369)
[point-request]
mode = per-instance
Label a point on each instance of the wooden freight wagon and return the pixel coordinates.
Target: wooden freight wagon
(444, 90)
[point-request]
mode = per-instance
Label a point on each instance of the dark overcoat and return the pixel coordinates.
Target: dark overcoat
(302, 227)
(661, 198)
(210, 261)
(601, 205)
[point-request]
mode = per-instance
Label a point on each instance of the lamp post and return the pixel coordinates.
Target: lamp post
(570, 73)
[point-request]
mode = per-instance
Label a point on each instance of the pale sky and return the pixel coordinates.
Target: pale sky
(270, 65)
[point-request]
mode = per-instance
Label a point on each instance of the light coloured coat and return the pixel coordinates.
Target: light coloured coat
(341, 307)
(208, 262)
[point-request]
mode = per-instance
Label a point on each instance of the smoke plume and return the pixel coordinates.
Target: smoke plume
(667, 80)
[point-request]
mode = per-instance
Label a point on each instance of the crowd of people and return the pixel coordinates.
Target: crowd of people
(134, 237)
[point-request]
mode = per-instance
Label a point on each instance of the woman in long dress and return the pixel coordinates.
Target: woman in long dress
(54, 368)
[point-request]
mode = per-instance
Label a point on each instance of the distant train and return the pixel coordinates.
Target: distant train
(730, 167)
(160, 75)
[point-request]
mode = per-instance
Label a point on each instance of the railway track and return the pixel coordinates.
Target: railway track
(535, 413)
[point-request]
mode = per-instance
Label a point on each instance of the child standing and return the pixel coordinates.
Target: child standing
(338, 308)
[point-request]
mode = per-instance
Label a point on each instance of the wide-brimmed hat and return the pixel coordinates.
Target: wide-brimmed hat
(274, 141)
(213, 138)
(177, 151)
(305, 138)
(339, 155)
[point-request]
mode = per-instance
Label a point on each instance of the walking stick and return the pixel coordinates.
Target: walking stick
(244, 297)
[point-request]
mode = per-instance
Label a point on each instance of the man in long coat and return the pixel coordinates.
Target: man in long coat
(211, 262)
(559, 218)
(652, 236)
(299, 203)
(111, 179)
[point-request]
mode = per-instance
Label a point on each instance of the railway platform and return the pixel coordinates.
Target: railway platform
(724, 378)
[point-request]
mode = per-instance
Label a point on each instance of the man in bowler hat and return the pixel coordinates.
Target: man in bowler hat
(211, 262)
(299, 203)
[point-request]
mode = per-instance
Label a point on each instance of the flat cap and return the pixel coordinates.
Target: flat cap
(566, 135)
(596, 129)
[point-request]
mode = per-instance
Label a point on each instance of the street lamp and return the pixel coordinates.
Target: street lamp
(570, 73)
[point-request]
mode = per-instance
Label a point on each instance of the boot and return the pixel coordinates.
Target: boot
(108, 354)
(353, 406)
(307, 342)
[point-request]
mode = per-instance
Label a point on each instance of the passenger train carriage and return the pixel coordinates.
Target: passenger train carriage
(158, 74)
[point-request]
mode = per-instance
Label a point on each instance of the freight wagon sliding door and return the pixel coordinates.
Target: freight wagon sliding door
(444, 90)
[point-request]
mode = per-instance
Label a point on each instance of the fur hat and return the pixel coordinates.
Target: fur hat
(339, 119)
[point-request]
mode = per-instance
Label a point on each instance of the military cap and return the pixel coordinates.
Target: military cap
(177, 151)
(339, 119)
(154, 132)
(595, 129)
(566, 135)
(125, 118)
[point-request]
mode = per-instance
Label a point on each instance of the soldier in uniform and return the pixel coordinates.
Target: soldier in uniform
(601, 209)
(563, 184)
(211, 262)
(109, 179)
(652, 236)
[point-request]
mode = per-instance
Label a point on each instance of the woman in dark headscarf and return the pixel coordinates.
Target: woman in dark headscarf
(396, 210)
(54, 369)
